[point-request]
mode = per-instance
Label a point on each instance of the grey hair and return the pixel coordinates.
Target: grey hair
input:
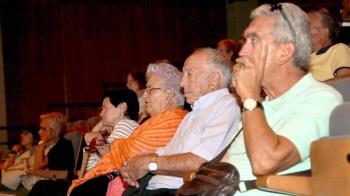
(329, 22)
(283, 33)
(58, 120)
(219, 62)
(172, 77)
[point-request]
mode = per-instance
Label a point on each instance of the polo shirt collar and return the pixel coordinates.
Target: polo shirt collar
(323, 50)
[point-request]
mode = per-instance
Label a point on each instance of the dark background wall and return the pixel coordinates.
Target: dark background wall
(62, 50)
(58, 51)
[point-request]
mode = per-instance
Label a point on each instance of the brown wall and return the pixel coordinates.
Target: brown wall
(62, 50)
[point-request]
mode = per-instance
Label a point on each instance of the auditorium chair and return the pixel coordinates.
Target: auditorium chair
(343, 86)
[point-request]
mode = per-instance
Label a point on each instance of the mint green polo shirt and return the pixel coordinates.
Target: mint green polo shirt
(301, 114)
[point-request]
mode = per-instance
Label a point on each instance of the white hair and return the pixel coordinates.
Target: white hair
(219, 62)
(172, 77)
(58, 120)
(283, 33)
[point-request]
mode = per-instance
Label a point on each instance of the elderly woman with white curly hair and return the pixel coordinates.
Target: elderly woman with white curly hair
(163, 102)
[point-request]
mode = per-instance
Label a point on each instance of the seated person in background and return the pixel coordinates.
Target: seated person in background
(345, 11)
(229, 48)
(54, 152)
(119, 114)
(277, 132)
(163, 102)
(328, 61)
(16, 150)
(204, 132)
(75, 126)
(83, 126)
(136, 81)
(19, 161)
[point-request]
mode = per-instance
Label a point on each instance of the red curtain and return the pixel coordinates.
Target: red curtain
(62, 50)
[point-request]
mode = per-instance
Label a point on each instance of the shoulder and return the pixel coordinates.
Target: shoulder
(169, 118)
(123, 129)
(226, 103)
(340, 49)
(64, 143)
(340, 46)
(127, 122)
(173, 113)
(318, 97)
(324, 91)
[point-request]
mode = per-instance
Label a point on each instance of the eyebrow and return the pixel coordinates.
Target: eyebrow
(191, 69)
(253, 34)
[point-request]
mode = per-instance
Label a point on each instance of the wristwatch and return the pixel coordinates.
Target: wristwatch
(250, 104)
(152, 166)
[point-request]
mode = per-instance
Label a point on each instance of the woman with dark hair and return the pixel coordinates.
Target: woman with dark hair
(119, 114)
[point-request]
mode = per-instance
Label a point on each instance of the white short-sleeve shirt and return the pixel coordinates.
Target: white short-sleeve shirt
(205, 132)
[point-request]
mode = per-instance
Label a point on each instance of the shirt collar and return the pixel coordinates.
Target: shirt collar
(323, 50)
(207, 99)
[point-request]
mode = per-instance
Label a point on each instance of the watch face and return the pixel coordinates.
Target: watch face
(249, 104)
(152, 166)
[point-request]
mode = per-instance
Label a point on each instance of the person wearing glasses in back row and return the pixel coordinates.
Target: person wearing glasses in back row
(54, 152)
(278, 129)
(119, 113)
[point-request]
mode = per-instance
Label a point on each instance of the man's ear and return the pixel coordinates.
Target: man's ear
(327, 34)
(214, 79)
(286, 53)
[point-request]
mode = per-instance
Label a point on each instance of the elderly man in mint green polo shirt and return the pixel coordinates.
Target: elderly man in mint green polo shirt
(278, 130)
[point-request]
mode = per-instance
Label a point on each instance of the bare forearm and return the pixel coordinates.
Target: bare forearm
(267, 151)
(40, 161)
(341, 73)
(176, 165)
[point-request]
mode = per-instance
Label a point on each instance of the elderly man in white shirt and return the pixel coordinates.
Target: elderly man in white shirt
(203, 133)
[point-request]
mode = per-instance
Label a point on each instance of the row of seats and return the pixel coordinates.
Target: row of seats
(330, 157)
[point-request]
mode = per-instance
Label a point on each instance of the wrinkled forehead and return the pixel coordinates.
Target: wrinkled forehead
(196, 62)
(46, 123)
(260, 26)
(154, 80)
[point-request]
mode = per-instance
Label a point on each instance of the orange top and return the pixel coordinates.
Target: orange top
(154, 133)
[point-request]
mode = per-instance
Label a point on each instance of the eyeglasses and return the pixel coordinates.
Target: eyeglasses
(149, 90)
(279, 8)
